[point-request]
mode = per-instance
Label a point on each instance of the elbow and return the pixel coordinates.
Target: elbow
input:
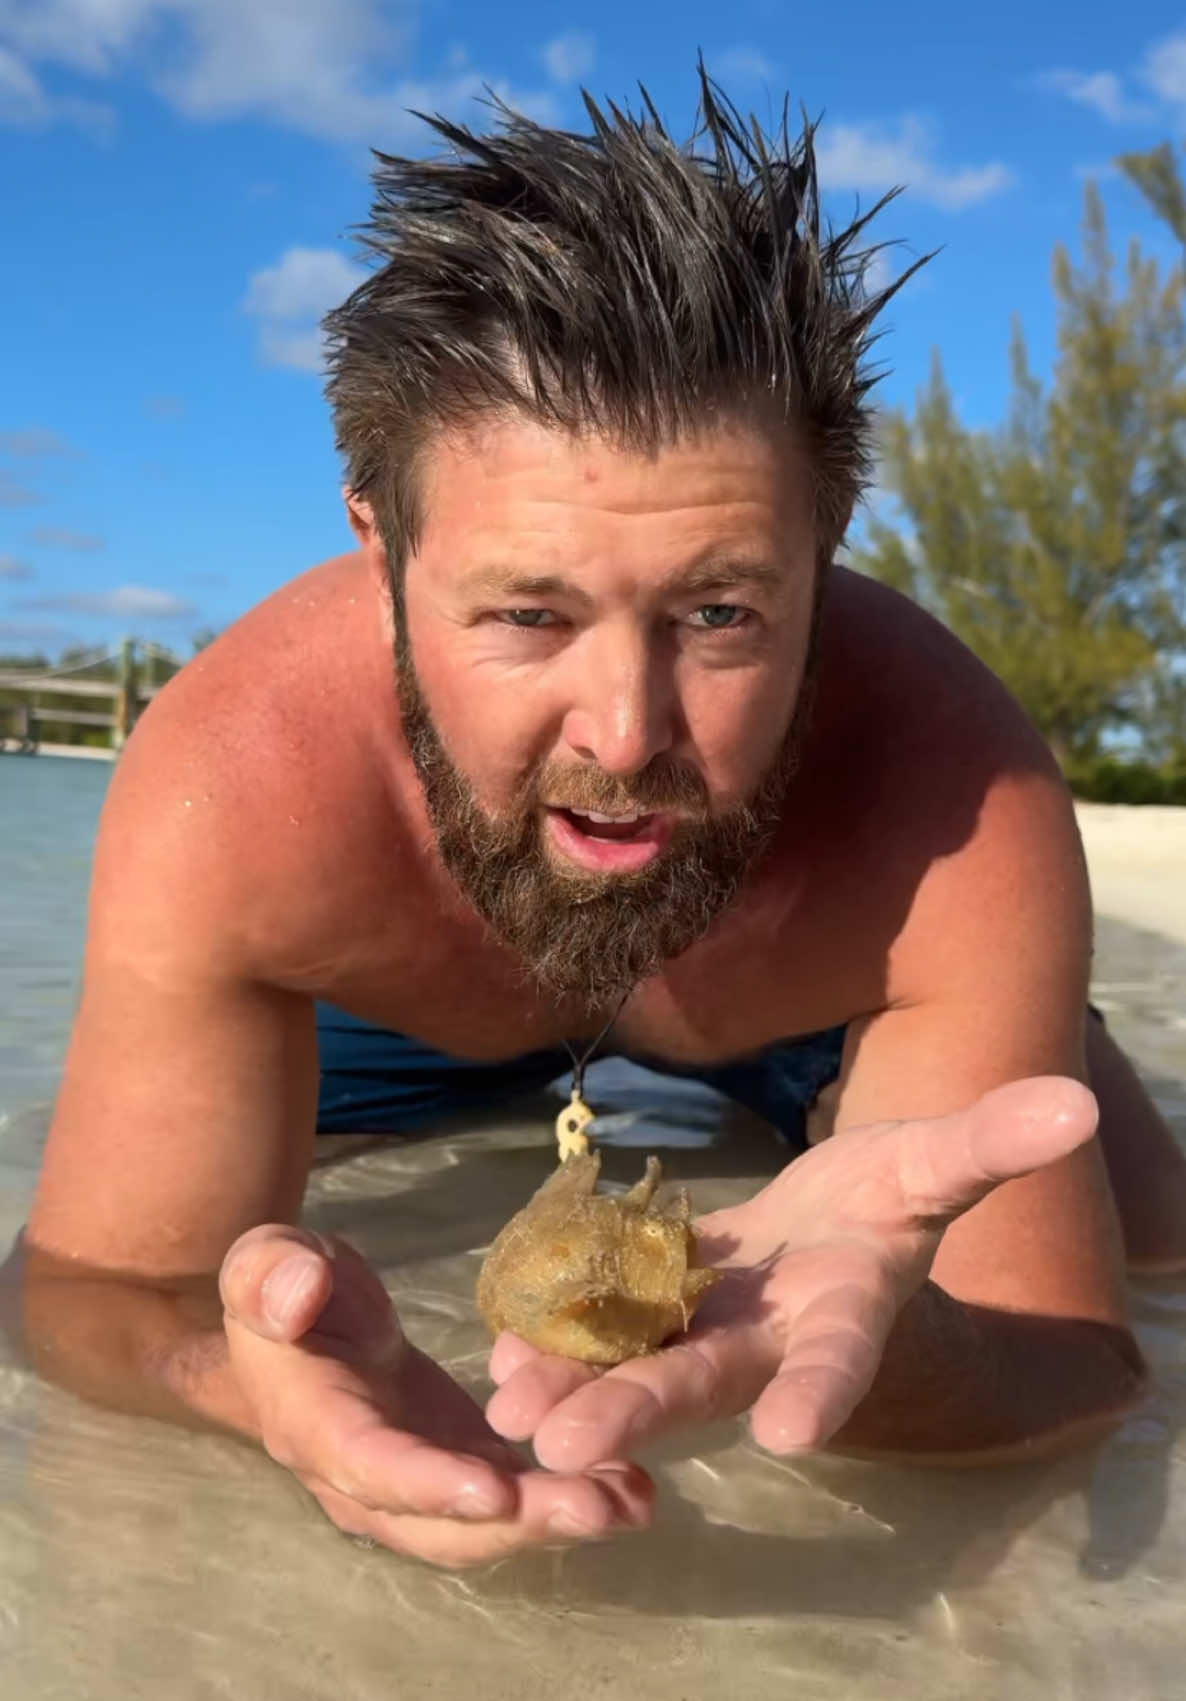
(1037, 1388)
(1104, 1386)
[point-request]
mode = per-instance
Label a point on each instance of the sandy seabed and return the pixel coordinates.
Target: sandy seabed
(136, 1561)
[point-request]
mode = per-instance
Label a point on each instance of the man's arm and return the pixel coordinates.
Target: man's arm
(165, 1271)
(1020, 1339)
(963, 1384)
(963, 1153)
(186, 1110)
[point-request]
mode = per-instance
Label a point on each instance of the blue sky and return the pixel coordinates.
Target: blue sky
(179, 179)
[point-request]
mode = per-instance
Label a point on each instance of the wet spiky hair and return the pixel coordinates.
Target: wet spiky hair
(614, 281)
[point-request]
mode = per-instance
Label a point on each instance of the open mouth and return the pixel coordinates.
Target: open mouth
(613, 827)
(602, 842)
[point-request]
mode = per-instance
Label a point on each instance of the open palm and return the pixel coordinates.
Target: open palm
(816, 1268)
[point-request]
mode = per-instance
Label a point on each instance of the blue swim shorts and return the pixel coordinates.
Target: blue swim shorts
(377, 1081)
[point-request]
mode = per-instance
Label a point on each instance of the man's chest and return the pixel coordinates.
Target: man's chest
(791, 957)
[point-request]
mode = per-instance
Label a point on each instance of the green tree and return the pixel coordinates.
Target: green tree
(1055, 545)
(1157, 176)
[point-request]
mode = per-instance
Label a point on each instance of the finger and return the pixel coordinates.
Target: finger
(832, 1352)
(323, 1414)
(281, 1282)
(275, 1280)
(800, 1411)
(529, 1393)
(617, 1497)
(382, 1468)
(709, 1374)
(508, 1354)
(948, 1164)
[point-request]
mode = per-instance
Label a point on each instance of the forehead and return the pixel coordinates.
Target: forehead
(736, 484)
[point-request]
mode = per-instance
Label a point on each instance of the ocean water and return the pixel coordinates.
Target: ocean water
(49, 811)
(140, 1561)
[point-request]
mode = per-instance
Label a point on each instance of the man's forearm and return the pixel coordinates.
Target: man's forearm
(965, 1384)
(156, 1350)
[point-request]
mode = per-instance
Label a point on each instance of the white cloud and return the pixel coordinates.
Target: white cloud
(299, 351)
(86, 35)
(304, 284)
(570, 56)
(14, 495)
(879, 272)
(34, 440)
(742, 65)
(60, 537)
(34, 632)
(1165, 69)
(331, 71)
(25, 104)
(878, 157)
(11, 568)
(18, 86)
(1101, 91)
(1162, 73)
(387, 120)
(298, 59)
(137, 601)
(289, 299)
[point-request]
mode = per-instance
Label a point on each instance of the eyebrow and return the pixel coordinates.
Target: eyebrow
(714, 575)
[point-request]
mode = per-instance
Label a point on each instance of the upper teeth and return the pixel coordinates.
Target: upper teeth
(592, 815)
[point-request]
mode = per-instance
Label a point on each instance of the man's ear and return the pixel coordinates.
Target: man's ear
(362, 518)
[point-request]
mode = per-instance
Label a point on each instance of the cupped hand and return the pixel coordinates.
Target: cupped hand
(816, 1267)
(389, 1445)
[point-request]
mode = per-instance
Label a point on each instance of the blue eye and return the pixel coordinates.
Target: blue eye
(722, 616)
(527, 619)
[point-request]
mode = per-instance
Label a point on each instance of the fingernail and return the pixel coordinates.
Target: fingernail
(288, 1287)
(475, 1503)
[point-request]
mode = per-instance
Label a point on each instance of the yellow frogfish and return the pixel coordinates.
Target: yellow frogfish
(592, 1276)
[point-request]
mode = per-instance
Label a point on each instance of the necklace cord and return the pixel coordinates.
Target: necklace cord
(580, 1064)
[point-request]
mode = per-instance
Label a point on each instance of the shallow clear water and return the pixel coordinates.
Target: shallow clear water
(49, 808)
(139, 1561)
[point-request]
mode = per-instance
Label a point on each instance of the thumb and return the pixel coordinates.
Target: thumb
(275, 1280)
(947, 1164)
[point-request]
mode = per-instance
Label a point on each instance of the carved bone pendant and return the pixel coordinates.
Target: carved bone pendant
(591, 1276)
(571, 1125)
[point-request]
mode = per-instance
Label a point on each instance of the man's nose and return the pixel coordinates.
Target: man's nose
(623, 705)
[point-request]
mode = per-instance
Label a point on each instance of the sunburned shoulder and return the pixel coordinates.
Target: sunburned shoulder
(943, 806)
(286, 683)
(907, 715)
(259, 777)
(888, 668)
(293, 660)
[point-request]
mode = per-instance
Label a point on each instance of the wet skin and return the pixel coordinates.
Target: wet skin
(266, 842)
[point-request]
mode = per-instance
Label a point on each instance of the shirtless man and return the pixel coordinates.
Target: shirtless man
(647, 754)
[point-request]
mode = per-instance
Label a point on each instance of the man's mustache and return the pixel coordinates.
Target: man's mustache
(668, 787)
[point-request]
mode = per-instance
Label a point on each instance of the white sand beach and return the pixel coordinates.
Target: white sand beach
(1137, 859)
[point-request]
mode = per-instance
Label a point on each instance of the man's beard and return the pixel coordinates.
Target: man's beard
(588, 935)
